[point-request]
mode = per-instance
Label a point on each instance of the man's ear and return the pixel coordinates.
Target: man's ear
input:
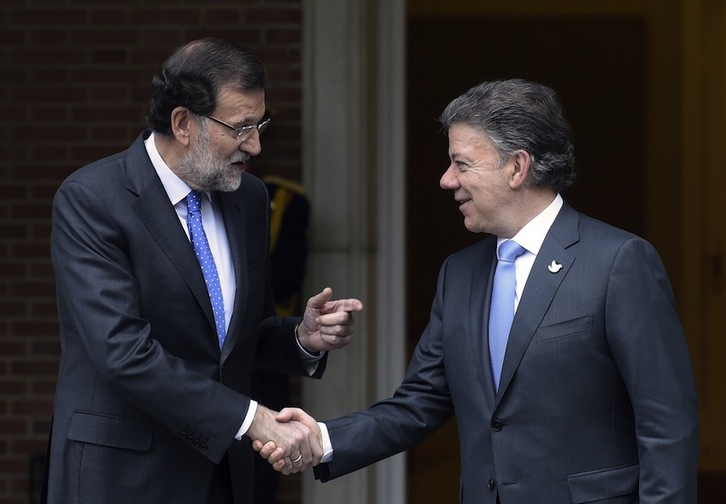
(522, 163)
(181, 124)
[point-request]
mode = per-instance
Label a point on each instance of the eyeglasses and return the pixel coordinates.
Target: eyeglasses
(243, 133)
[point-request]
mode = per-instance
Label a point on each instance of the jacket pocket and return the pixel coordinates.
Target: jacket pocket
(105, 430)
(604, 484)
(563, 329)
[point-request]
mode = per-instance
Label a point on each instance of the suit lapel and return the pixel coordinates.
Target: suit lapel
(234, 215)
(158, 215)
(480, 296)
(541, 286)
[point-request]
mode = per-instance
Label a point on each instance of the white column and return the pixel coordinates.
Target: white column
(353, 170)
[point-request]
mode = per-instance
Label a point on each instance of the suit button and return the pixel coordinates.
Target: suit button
(491, 484)
(497, 424)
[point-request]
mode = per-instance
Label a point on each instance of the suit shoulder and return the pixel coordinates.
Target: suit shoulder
(108, 171)
(594, 229)
(252, 192)
(476, 250)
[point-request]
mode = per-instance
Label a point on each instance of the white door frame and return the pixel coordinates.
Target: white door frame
(354, 169)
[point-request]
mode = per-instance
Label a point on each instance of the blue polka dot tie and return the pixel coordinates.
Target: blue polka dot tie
(501, 312)
(204, 255)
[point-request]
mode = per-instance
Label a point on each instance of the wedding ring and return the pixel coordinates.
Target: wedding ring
(298, 459)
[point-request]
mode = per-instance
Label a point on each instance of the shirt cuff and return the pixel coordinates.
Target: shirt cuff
(247, 421)
(310, 361)
(327, 445)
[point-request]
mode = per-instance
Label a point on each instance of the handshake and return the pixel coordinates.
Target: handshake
(291, 440)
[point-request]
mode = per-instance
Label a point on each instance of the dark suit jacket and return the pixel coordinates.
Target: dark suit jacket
(146, 403)
(597, 400)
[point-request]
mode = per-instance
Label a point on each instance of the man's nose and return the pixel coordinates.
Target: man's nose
(252, 144)
(448, 179)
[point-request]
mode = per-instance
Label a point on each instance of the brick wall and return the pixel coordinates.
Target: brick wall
(74, 81)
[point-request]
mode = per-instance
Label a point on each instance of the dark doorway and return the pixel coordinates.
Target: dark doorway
(597, 66)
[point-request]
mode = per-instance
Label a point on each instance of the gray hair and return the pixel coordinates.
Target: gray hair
(520, 115)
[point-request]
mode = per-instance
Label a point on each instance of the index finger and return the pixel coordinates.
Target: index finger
(349, 305)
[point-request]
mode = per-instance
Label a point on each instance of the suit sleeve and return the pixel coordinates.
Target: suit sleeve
(649, 347)
(420, 405)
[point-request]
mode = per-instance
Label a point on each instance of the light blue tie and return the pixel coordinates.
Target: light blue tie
(204, 255)
(501, 312)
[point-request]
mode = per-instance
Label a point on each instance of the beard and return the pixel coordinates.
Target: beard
(204, 170)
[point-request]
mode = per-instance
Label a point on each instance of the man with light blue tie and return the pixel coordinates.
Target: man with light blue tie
(555, 341)
(161, 255)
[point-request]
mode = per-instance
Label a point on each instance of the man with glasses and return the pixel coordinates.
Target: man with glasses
(165, 305)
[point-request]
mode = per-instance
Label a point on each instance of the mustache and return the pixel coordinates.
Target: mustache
(243, 157)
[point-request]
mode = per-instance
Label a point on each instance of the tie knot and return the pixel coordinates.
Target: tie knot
(509, 250)
(194, 201)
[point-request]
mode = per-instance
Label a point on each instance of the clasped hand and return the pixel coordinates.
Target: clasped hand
(282, 452)
(291, 441)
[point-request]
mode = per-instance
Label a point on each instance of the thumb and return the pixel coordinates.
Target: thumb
(285, 415)
(319, 300)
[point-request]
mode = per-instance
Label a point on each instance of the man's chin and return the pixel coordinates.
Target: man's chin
(227, 184)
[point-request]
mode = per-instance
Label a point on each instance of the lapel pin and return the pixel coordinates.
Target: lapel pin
(554, 267)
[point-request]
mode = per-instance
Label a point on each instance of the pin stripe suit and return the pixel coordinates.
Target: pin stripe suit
(146, 403)
(596, 402)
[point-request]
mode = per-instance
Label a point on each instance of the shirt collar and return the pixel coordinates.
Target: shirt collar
(532, 235)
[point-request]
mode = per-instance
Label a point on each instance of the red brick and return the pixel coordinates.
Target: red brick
(113, 38)
(9, 427)
(50, 37)
(42, 268)
(46, 55)
(13, 466)
(283, 36)
(112, 17)
(160, 16)
(35, 289)
(50, 114)
(35, 328)
(52, 94)
(12, 37)
(12, 308)
(41, 427)
(32, 407)
(26, 446)
(263, 15)
(31, 211)
(46, 152)
(45, 349)
(34, 368)
(55, 17)
(223, 16)
(48, 132)
(45, 387)
(12, 387)
(104, 114)
(42, 309)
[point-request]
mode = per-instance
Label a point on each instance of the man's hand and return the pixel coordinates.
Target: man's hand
(296, 446)
(275, 454)
(326, 324)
